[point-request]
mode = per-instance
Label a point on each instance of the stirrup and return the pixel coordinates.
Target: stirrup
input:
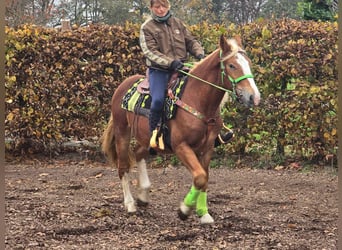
(226, 137)
(153, 140)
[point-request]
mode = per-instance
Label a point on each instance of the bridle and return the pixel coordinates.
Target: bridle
(233, 81)
(224, 74)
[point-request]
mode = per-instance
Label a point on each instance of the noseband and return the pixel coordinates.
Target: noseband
(233, 81)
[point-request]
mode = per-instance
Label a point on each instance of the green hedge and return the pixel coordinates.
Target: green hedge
(59, 85)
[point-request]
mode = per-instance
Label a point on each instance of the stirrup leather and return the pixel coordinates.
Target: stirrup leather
(226, 128)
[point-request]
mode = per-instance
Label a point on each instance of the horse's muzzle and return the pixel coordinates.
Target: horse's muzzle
(248, 99)
(254, 100)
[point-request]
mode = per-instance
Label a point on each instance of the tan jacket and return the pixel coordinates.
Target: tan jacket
(164, 42)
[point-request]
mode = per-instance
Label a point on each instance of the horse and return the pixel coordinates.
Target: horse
(192, 137)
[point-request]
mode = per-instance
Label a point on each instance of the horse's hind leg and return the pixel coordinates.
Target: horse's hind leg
(124, 162)
(144, 181)
(128, 198)
(144, 184)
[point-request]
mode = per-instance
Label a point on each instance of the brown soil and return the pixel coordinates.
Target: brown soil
(68, 204)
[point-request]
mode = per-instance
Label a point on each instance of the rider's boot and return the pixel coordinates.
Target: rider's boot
(153, 122)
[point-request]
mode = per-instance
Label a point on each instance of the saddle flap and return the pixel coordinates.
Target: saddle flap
(144, 86)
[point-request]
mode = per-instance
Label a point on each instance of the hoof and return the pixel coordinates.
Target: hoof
(184, 211)
(141, 203)
(206, 219)
(132, 213)
(181, 215)
(143, 197)
(131, 209)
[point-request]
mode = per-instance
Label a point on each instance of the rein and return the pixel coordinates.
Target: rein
(190, 65)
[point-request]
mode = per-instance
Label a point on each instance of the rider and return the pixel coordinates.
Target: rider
(165, 42)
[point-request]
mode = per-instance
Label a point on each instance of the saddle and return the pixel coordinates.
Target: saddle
(138, 100)
(144, 86)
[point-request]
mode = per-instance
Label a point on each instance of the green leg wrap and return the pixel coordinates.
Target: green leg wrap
(201, 208)
(191, 198)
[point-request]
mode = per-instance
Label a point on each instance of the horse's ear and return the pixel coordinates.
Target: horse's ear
(223, 44)
(222, 40)
(238, 40)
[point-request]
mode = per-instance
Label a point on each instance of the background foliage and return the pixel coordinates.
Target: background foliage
(59, 85)
(80, 12)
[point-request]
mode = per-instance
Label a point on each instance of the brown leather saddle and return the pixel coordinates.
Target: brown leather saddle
(144, 86)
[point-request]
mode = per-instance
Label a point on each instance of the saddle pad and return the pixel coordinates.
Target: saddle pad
(138, 103)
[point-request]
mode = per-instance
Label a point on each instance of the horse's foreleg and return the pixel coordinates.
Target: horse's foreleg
(144, 184)
(187, 156)
(188, 203)
(128, 198)
(198, 199)
(202, 205)
(202, 208)
(197, 195)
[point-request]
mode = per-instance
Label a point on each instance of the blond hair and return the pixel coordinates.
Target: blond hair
(164, 3)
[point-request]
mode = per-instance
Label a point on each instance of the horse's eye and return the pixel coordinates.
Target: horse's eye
(231, 66)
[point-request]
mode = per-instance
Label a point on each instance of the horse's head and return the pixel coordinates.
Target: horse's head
(236, 66)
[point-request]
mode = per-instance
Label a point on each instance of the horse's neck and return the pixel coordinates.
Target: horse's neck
(203, 96)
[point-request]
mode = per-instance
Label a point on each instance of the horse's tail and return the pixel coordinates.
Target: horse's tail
(108, 142)
(108, 145)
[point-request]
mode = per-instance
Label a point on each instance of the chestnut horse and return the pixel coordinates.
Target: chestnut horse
(191, 138)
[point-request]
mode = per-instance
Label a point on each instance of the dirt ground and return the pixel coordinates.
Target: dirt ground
(78, 204)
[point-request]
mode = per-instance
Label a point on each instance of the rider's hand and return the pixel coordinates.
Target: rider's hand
(176, 65)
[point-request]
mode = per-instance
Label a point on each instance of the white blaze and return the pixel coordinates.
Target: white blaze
(246, 71)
